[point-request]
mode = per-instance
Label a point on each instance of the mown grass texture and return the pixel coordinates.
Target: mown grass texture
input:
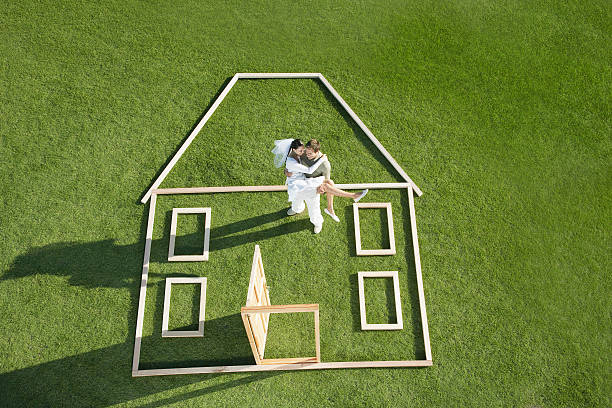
(499, 111)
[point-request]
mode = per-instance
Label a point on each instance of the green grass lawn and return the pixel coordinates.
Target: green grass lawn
(499, 111)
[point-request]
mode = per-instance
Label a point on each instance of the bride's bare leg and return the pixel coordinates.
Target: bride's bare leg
(328, 188)
(330, 200)
(330, 203)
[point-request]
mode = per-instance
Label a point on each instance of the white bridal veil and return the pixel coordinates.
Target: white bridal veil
(281, 150)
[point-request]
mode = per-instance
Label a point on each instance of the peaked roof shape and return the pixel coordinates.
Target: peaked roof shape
(293, 75)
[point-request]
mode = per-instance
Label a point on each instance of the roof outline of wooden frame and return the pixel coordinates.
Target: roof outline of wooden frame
(293, 75)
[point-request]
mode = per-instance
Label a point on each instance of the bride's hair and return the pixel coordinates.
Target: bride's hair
(294, 145)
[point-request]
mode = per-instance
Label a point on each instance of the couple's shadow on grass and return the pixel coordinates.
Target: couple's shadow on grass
(102, 377)
(237, 233)
(106, 264)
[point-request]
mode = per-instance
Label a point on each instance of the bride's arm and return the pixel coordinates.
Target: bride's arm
(293, 166)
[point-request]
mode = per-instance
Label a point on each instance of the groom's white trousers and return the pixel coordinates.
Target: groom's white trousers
(314, 208)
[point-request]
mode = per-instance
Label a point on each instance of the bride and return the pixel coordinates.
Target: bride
(302, 189)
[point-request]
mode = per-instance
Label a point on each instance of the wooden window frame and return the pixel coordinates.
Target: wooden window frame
(171, 246)
(245, 311)
(201, 314)
(371, 252)
(396, 294)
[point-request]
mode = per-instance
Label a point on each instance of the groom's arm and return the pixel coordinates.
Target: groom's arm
(326, 170)
(294, 166)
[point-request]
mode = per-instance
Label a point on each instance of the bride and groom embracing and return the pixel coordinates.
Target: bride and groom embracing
(308, 175)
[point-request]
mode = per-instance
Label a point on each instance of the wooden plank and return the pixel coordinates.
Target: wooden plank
(357, 229)
(376, 252)
(280, 308)
(188, 258)
(390, 228)
(399, 325)
(188, 141)
(362, 306)
(173, 224)
(419, 276)
(277, 75)
(220, 189)
(283, 367)
(252, 189)
(289, 360)
(182, 333)
(143, 284)
(317, 336)
(371, 205)
(254, 265)
(249, 332)
(370, 135)
(207, 222)
(398, 302)
(257, 334)
(166, 314)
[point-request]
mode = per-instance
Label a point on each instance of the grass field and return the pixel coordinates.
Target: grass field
(499, 111)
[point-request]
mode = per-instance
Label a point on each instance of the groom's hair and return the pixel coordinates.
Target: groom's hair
(314, 145)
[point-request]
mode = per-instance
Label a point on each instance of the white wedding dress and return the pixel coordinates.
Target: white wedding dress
(300, 187)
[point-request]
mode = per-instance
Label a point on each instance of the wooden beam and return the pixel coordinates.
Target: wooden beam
(143, 284)
(317, 336)
(187, 142)
(251, 337)
(419, 276)
(280, 367)
(277, 75)
(357, 229)
(370, 135)
(247, 189)
(289, 360)
(280, 308)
